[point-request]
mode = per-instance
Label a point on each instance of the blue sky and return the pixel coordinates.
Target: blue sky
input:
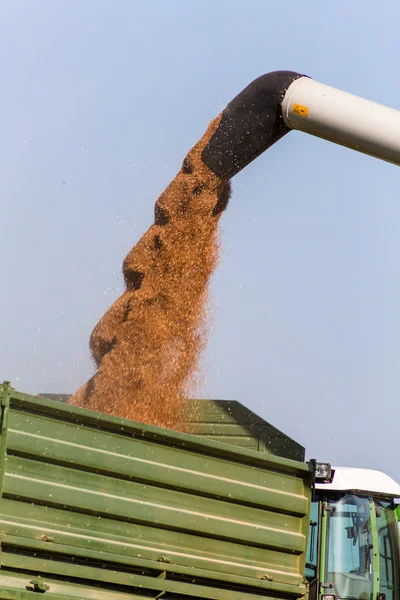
(100, 102)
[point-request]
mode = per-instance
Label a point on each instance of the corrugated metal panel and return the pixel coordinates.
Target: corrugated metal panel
(231, 422)
(109, 503)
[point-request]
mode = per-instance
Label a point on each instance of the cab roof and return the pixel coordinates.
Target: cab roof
(347, 479)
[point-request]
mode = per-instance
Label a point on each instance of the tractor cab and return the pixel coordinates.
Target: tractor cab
(353, 547)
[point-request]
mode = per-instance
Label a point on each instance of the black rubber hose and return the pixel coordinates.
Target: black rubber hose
(250, 124)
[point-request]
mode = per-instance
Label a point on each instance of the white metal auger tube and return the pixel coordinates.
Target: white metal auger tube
(281, 101)
(343, 118)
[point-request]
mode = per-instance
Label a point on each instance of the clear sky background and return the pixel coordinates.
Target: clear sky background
(101, 99)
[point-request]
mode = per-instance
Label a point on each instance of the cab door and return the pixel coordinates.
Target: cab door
(388, 542)
(359, 554)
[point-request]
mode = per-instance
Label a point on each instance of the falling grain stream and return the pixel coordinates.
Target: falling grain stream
(148, 344)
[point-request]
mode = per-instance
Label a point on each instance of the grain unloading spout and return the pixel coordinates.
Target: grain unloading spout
(147, 345)
(278, 102)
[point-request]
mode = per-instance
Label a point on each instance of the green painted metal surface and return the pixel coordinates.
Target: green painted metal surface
(230, 422)
(101, 507)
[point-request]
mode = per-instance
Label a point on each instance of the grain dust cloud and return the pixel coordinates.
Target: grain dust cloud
(148, 345)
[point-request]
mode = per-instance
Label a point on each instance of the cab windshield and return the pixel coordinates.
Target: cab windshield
(351, 564)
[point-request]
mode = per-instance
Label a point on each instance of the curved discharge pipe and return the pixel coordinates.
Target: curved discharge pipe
(147, 345)
(280, 101)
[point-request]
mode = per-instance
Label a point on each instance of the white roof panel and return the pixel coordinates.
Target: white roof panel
(347, 479)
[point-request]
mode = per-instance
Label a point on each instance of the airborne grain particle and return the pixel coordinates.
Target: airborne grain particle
(187, 167)
(106, 346)
(88, 391)
(223, 200)
(126, 311)
(133, 279)
(157, 242)
(161, 216)
(196, 191)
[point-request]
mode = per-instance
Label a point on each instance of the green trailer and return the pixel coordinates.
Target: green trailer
(100, 507)
(97, 507)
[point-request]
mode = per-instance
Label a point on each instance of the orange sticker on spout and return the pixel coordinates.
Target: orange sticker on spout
(301, 110)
